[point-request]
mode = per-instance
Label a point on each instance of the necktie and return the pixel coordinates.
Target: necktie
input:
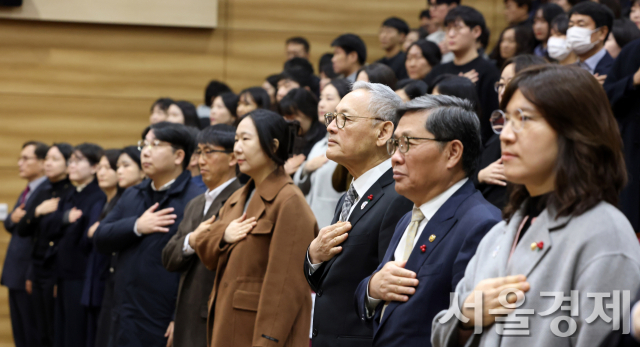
(412, 230)
(351, 197)
(23, 197)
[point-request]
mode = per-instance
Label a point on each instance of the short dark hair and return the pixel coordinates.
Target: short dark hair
(298, 75)
(326, 66)
(588, 137)
(550, 11)
(214, 88)
(396, 23)
(300, 99)
(177, 135)
(298, 63)
(380, 73)
(112, 156)
(451, 118)
(460, 87)
(65, 149)
(163, 103)
(447, 2)
(624, 31)
(299, 40)
(425, 14)
(614, 6)
(259, 96)
(413, 88)
(92, 152)
(40, 149)
(485, 34)
(430, 51)
(230, 102)
(190, 113)
(560, 23)
(221, 135)
(524, 61)
(520, 3)
(270, 126)
(134, 153)
(273, 80)
(601, 14)
(525, 42)
(342, 85)
(469, 15)
(352, 43)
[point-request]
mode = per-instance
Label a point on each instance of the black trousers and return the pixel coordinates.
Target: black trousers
(22, 318)
(70, 315)
(44, 306)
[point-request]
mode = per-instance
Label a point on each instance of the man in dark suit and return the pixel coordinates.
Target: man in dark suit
(590, 24)
(138, 228)
(435, 149)
(218, 169)
(349, 250)
(18, 257)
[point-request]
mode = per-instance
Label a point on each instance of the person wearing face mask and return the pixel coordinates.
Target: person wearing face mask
(542, 26)
(589, 26)
(557, 47)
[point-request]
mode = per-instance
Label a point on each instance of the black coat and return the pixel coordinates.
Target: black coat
(145, 293)
(497, 195)
(335, 323)
(625, 101)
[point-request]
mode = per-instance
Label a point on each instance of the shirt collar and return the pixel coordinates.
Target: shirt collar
(593, 60)
(164, 187)
(369, 178)
(35, 183)
(211, 195)
(432, 206)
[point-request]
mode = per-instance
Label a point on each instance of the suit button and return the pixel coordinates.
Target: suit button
(111, 270)
(319, 293)
(315, 333)
(51, 244)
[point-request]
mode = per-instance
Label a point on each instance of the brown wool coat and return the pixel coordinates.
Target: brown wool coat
(260, 297)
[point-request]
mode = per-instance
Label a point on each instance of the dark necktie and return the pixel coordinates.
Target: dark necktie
(351, 197)
(23, 197)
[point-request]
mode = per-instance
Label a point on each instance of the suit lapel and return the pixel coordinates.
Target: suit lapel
(220, 200)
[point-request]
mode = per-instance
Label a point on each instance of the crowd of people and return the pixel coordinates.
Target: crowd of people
(439, 196)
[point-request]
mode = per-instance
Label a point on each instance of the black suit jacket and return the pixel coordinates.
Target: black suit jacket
(196, 282)
(334, 321)
(604, 65)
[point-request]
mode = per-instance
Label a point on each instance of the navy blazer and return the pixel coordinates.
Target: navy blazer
(604, 65)
(18, 257)
(144, 292)
(458, 226)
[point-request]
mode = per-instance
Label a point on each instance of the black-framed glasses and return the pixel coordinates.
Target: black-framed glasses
(208, 152)
(403, 143)
(500, 119)
(341, 119)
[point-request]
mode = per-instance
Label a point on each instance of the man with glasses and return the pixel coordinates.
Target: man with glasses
(218, 169)
(463, 27)
(349, 250)
(18, 258)
(139, 227)
(434, 150)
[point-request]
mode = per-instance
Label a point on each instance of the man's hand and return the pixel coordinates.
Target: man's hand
(47, 206)
(28, 287)
(92, 229)
(393, 282)
(153, 221)
(600, 78)
(238, 229)
(472, 75)
(493, 174)
(314, 164)
(18, 213)
(492, 294)
(204, 226)
(74, 215)
(636, 78)
(169, 335)
(326, 245)
(293, 163)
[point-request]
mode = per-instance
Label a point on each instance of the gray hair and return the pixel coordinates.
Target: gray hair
(384, 102)
(451, 118)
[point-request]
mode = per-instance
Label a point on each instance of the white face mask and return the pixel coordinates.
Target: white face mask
(558, 48)
(579, 39)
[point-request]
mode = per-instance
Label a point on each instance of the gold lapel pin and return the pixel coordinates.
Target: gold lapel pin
(432, 238)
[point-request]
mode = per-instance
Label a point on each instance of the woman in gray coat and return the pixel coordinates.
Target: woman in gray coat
(559, 271)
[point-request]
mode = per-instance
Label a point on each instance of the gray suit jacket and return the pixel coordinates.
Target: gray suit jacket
(196, 281)
(596, 252)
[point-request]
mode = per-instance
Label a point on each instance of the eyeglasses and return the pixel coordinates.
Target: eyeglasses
(151, 144)
(500, 119)
(207, 152)
(341, 119)
(403, 143)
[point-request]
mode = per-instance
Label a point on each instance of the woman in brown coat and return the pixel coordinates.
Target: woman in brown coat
(260, 297)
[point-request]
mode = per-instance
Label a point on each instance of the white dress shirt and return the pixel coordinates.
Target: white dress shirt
(361, 185)
(209, 196)
(166, 186)
(428, 209)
